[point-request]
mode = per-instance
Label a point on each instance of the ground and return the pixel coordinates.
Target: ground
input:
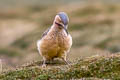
(95, 67)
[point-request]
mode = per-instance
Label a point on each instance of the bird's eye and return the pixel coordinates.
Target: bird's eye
(60, 21)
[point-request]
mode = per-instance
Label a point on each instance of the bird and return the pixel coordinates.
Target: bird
(55, 42)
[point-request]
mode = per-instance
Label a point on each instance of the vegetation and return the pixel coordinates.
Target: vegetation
(96, 67)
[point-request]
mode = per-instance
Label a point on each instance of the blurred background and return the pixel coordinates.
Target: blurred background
(94, 26)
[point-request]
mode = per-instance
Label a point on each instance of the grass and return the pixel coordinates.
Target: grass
(36, 9)
(112, 9)
(102, 67)
(9, 52)
(79, 26)
(89, 10)
(21, 43)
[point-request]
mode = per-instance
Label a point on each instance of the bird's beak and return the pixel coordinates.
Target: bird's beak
(61, 25)
(64, 27)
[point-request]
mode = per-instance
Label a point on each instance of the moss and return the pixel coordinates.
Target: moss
(95, 67)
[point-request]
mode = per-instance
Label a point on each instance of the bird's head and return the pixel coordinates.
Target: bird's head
(61, 20)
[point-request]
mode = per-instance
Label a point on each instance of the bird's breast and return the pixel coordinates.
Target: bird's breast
(55, 43)
(56, 40)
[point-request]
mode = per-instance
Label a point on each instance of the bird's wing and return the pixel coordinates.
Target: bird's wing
(70, 37)
(45, 33)
(69, 42)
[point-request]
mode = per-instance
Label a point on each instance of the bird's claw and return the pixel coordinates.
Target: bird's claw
(44, 66)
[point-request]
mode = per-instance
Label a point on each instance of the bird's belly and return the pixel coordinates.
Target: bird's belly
(48, 48)
(53, 47)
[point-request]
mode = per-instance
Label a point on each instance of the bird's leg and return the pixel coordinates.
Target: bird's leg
(44, 63)
(51, 61)
(65, 60)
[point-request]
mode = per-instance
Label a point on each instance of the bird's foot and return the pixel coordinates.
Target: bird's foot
(44, 66)
(68, 62)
